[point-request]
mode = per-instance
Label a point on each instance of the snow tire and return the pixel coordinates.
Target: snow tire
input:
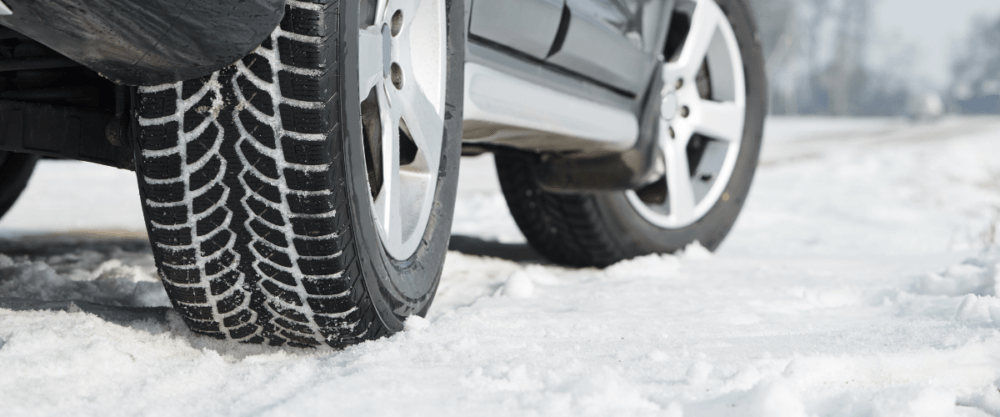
(15, 171)
(255, 191)
(600, 229)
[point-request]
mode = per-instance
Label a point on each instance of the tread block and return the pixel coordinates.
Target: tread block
(310, 22)
(288, 313)
(307, 55)
(197, 148)
(264, 232)
(259, 99)
(331, 286)
(186, 295)
(271, 255)
(259, 161)
(330, 305)
(245, 331)
(159, 137)
(307, 88)
(230, 303)
(205, 174)
(330, 326)
(224, 283)
(158, 104)
(306, 152)
(198, 112)
(212, 222)
(181, 276)
(257, 129)
(216, 243)
(209, 328)
(260, 66)
(274, 340)
(202, 312)
(317, 227)
(179, 237)
(276, 274)
(328, 266)
(325, 247)
(314, 204)
(298, 341)
(168, 215)
(297, 327)
(208, 199)
(282, 294)
(219, 263)
(172, 192)
(162, 167)
(179, 257)
(306, 181)
(258, 187)
(192, 87)
(301, 120)
(238, 319)
(272, 216)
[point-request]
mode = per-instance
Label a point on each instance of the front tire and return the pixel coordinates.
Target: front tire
(272, 189)
(711, 120)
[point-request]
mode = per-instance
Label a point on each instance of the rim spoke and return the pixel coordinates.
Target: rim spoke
(679, 188)
(722, 121)
(425, 126)
(389, 195)
(369, 60)
(704, 23)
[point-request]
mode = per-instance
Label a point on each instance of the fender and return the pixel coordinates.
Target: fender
(146, 42)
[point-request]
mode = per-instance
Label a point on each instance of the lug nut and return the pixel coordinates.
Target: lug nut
(680, 83)
(672, 135)
(685, 111)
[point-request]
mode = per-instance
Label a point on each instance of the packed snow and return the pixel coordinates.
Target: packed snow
(861, 280)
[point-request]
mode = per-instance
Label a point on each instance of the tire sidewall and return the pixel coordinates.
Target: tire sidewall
(640, 236)
(384, 277)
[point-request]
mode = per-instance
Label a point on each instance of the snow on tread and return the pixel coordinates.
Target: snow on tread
(238, 180)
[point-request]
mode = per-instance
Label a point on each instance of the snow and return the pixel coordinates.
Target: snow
(859, 281)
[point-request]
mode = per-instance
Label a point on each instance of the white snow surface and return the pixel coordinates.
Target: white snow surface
(861, 280)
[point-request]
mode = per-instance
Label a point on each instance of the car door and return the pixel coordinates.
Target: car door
(612, 41)
(608, 42)
(528, 27)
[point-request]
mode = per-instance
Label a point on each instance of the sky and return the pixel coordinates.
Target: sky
(933, 27)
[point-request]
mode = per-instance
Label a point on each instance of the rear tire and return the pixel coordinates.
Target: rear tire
(600, 229)
(256, 183)
(15, 171)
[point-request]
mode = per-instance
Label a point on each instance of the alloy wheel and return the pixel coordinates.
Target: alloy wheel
(402, 47)
(703, 112)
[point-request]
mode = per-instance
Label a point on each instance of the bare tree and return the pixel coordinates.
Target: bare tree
(976, 71)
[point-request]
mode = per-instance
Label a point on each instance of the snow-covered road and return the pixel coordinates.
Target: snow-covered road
(859, 281)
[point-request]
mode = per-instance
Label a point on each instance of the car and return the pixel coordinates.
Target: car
(297, 160)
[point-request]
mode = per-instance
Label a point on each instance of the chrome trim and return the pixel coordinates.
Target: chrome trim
(502, 100)
(4, 10)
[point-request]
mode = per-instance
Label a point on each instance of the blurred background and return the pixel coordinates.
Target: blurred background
(913, 58)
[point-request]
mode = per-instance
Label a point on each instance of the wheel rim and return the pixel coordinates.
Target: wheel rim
(703, 111)
(401, 73)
